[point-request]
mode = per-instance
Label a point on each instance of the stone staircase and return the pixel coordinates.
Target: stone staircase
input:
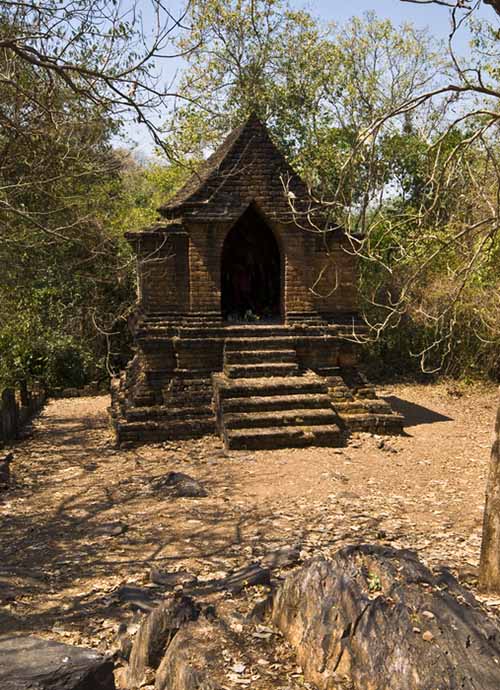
(262, 400)
(356, 402)
(266, 395)
(185, 412)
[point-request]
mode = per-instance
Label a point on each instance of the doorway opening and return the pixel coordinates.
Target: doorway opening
(251, 272)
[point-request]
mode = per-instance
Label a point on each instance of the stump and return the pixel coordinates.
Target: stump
(191, 659)
(5, 463)
(376, 618)
(155, 634)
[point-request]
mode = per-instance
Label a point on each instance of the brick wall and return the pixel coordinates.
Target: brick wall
(204, 265)
(163, 271)
(334, 278)
(181, 272)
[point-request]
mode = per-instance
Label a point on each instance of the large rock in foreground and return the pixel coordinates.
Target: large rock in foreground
(375, 618)
(36, 664)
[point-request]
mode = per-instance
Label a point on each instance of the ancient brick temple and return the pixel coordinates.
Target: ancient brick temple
(244, 305)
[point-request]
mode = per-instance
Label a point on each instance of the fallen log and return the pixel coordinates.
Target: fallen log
(208, 655)
(235, 582)
(375, 618)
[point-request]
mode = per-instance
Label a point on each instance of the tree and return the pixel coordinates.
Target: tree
(72, 73)
(457, 4)
(423, 218)
(315, 86)
(96, 56)
(100, 51)
(474, 82)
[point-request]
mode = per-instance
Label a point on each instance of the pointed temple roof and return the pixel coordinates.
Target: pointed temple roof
(247, 168)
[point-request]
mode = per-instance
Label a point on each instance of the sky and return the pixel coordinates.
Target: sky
(435, 17)
(432, 17)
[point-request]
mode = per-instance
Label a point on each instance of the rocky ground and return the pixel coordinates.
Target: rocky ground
(85, 523)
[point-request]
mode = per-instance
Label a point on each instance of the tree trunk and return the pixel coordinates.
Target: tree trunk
(155, 635)
(489, 568)
(23, 393)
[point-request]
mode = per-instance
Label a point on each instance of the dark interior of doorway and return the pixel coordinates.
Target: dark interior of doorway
(251, 271)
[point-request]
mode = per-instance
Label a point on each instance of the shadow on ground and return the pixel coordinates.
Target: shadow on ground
(415, 414)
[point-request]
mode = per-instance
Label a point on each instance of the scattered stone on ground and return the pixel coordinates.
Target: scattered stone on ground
(139, 598)
(60, 574)
(172, 579)
(180, 485)
(282, 558)
(112, 529)
(248, 576)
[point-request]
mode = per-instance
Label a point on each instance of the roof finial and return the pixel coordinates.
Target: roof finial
(254, 117)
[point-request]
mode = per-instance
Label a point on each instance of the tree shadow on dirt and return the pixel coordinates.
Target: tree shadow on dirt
(414, 414)
(62, 563)
(47, 553)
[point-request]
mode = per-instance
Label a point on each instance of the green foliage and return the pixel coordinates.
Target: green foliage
(70, 72)
(315, 85)
(374, 583)
(143, 188)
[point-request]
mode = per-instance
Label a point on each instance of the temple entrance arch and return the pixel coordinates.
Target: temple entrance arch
(251, 280)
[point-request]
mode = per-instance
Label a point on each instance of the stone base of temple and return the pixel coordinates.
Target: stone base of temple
(265, 386)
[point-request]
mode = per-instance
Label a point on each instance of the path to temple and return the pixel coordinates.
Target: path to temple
(84, 518)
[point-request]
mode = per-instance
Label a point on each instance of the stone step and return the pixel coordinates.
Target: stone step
(349, 407)
(297, 417)
(260, 343)
(183, 398)
(269, 403)
(165, 412)
(190, 383)
(368, 393)
(284, 437)
(279, 385)
(236, 332)
(363, 406)
(259, 356)
(374, 423)
(164, 430)
(256, 331)
(238, 371)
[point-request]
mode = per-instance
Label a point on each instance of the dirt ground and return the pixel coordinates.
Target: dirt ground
(62, 562)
